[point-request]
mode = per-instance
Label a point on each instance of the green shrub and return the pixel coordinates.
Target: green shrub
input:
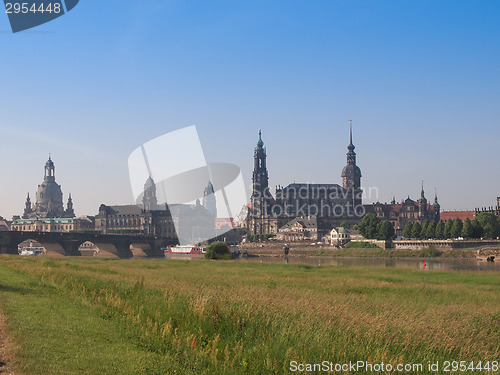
(218, 250)
(360, 245)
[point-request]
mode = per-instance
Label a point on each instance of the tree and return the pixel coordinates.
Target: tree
(456, 229)
(407, 230)
(425, 224)
(431, 230)
(368, 226)
(217, 250)
(385, 231)
(416, 230)
(447, 229)
(477, 229)
(490, 224)
(343, 224)
(467, 229)
(439, 233)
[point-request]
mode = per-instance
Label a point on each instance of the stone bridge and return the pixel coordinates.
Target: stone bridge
(122, 246)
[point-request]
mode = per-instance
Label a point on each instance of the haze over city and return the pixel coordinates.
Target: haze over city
(419, 80)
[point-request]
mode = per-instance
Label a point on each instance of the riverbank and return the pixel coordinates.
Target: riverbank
(144, 316)
(274, 249)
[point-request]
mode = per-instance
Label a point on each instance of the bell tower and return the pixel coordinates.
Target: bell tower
(351, 174)
(260, 211)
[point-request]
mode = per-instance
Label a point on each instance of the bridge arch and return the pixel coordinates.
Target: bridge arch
(50, 246)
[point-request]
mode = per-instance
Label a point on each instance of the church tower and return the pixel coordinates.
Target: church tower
(260, 180)
(28, 209)
(351, 174)
(260, 212)
(70, 212)
(49, 195)
(209, 199)
(149, 200)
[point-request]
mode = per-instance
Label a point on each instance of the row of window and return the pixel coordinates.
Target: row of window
(42, 228)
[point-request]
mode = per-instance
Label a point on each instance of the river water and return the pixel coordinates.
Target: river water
(409, 263)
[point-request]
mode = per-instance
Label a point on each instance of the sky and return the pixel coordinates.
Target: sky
(420, 81)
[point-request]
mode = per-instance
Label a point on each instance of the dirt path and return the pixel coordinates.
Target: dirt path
(5, 348)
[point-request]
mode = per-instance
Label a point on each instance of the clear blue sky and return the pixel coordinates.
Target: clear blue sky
(419, 79)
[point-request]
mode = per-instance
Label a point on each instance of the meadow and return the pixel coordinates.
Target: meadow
(153, 316)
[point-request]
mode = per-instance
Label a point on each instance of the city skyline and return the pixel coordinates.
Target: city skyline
(420, 82)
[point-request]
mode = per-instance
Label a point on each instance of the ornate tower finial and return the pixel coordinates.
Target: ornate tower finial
(351, 146)
(260, 143)
(350, 130)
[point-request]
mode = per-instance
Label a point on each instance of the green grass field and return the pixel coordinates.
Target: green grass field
(97, 316)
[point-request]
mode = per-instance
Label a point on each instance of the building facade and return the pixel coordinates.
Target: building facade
(399, 214)
(494, 210)
(302, 229)
(332, 204)
(150, 219)
(339, 236)
(47, 224)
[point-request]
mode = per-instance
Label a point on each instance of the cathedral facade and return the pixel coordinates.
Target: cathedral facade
(332, 204)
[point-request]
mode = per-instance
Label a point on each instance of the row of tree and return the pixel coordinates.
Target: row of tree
(485, 225)
(371, 227)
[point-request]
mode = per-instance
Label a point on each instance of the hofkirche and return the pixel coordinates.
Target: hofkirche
(321, 207)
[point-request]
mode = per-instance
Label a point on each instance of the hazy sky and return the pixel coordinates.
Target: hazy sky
(419, 79)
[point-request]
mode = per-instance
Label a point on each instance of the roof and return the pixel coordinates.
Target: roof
(130, 209)
(462, 215)
(304, 222)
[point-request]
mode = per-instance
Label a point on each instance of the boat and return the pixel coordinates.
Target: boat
(30, 250)
(185, 249)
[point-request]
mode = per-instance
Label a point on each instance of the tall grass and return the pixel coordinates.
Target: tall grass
(245, 318)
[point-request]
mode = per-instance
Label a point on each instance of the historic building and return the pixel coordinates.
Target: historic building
(190, 224)
(48, 224)
(339, 236)
(49, 198)
(408, 211)
(331, 203)
(150, 219)
(302, 229)
(209, 199)
(494, 210)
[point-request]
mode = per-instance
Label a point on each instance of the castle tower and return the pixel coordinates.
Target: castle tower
(437, 208)
(422, 203)
(149, 200)
(351, 174)
(209, 199)
(49, 195)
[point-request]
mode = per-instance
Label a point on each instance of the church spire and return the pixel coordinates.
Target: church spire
(422, 193)
(28, 209)
(351, 146)
(70, 212)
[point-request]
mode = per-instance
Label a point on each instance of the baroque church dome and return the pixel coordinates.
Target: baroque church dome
(49, 197)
